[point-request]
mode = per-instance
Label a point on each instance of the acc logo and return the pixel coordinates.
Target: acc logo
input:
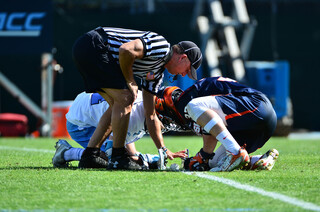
(20, 24)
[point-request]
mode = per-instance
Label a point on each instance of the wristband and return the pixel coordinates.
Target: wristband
(164, 149)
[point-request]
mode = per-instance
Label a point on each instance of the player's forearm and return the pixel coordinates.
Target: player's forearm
(154, 129)
(106, 135)
(102, 131)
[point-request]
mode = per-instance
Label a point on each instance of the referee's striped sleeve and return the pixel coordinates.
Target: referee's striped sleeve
(156, 45)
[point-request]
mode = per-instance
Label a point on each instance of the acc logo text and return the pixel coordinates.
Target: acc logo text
(20, 24)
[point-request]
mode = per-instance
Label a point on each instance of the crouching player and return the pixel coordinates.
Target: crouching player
(82, 120)
(221, 109)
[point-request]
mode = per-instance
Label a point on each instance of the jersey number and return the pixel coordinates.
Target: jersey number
(186, 113)
(96, 99)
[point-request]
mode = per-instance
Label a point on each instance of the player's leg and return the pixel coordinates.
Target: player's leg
(203, 111)
(65, 152)
(200, 162)
(82, 135)
(254, 129)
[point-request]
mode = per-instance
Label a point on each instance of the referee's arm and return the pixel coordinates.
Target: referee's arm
(128, 52)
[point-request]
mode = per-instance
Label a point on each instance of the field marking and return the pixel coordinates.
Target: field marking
(304, 136)
(131, 210)
(274, 195)
(26, 149)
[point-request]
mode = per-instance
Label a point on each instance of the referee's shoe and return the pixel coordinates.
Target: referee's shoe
(120, 160)
(93, 158)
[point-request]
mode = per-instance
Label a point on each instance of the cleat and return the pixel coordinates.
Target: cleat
(267, 160)
(235, 161)
(93, 158)
(58, 160)
(143, 159)
(219, 164)
(247, 166)
(199, 162)
(123, 162)
(216, 169)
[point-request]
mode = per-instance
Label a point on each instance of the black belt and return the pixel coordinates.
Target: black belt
(102, 33)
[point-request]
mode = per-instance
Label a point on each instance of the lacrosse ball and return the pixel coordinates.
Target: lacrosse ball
(174, 167)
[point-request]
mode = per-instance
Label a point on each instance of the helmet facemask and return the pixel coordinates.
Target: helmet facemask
(166, 110)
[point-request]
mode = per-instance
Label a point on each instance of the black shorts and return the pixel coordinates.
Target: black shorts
(96, 65)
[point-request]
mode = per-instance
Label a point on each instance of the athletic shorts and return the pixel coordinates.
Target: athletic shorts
(250, 119)
(82, 135)
(96, 65)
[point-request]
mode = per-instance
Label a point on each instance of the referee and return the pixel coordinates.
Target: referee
(108, 59)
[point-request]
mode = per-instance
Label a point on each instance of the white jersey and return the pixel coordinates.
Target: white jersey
(87, 109)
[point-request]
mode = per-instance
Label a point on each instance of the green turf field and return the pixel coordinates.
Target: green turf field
(29, 183)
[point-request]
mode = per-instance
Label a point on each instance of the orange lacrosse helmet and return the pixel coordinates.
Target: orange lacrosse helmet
(164, 104)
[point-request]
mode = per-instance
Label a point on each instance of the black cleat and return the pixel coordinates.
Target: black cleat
(58, 160)
(91, 159)
(123, 162)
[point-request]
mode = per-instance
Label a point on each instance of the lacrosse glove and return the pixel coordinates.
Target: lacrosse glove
(200, 162)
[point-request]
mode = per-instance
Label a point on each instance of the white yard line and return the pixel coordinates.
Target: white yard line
(274, 195)
(26, 149)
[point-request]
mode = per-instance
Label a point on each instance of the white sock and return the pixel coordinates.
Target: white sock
(73, 154)
(228, 142)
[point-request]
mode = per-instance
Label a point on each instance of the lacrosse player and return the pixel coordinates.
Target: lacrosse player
(82, 120)
(220, 109)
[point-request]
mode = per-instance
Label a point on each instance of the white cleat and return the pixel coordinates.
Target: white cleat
(232, 161)
(58, 160)
(267, 160)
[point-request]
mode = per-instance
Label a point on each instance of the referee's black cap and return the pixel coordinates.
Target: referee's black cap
(194, 55)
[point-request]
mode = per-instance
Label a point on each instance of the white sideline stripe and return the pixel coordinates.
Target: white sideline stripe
(26, 149)
(305, 136)
(277, 196)
(128, 210)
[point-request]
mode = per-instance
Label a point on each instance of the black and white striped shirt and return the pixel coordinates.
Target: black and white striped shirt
(151, 67)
